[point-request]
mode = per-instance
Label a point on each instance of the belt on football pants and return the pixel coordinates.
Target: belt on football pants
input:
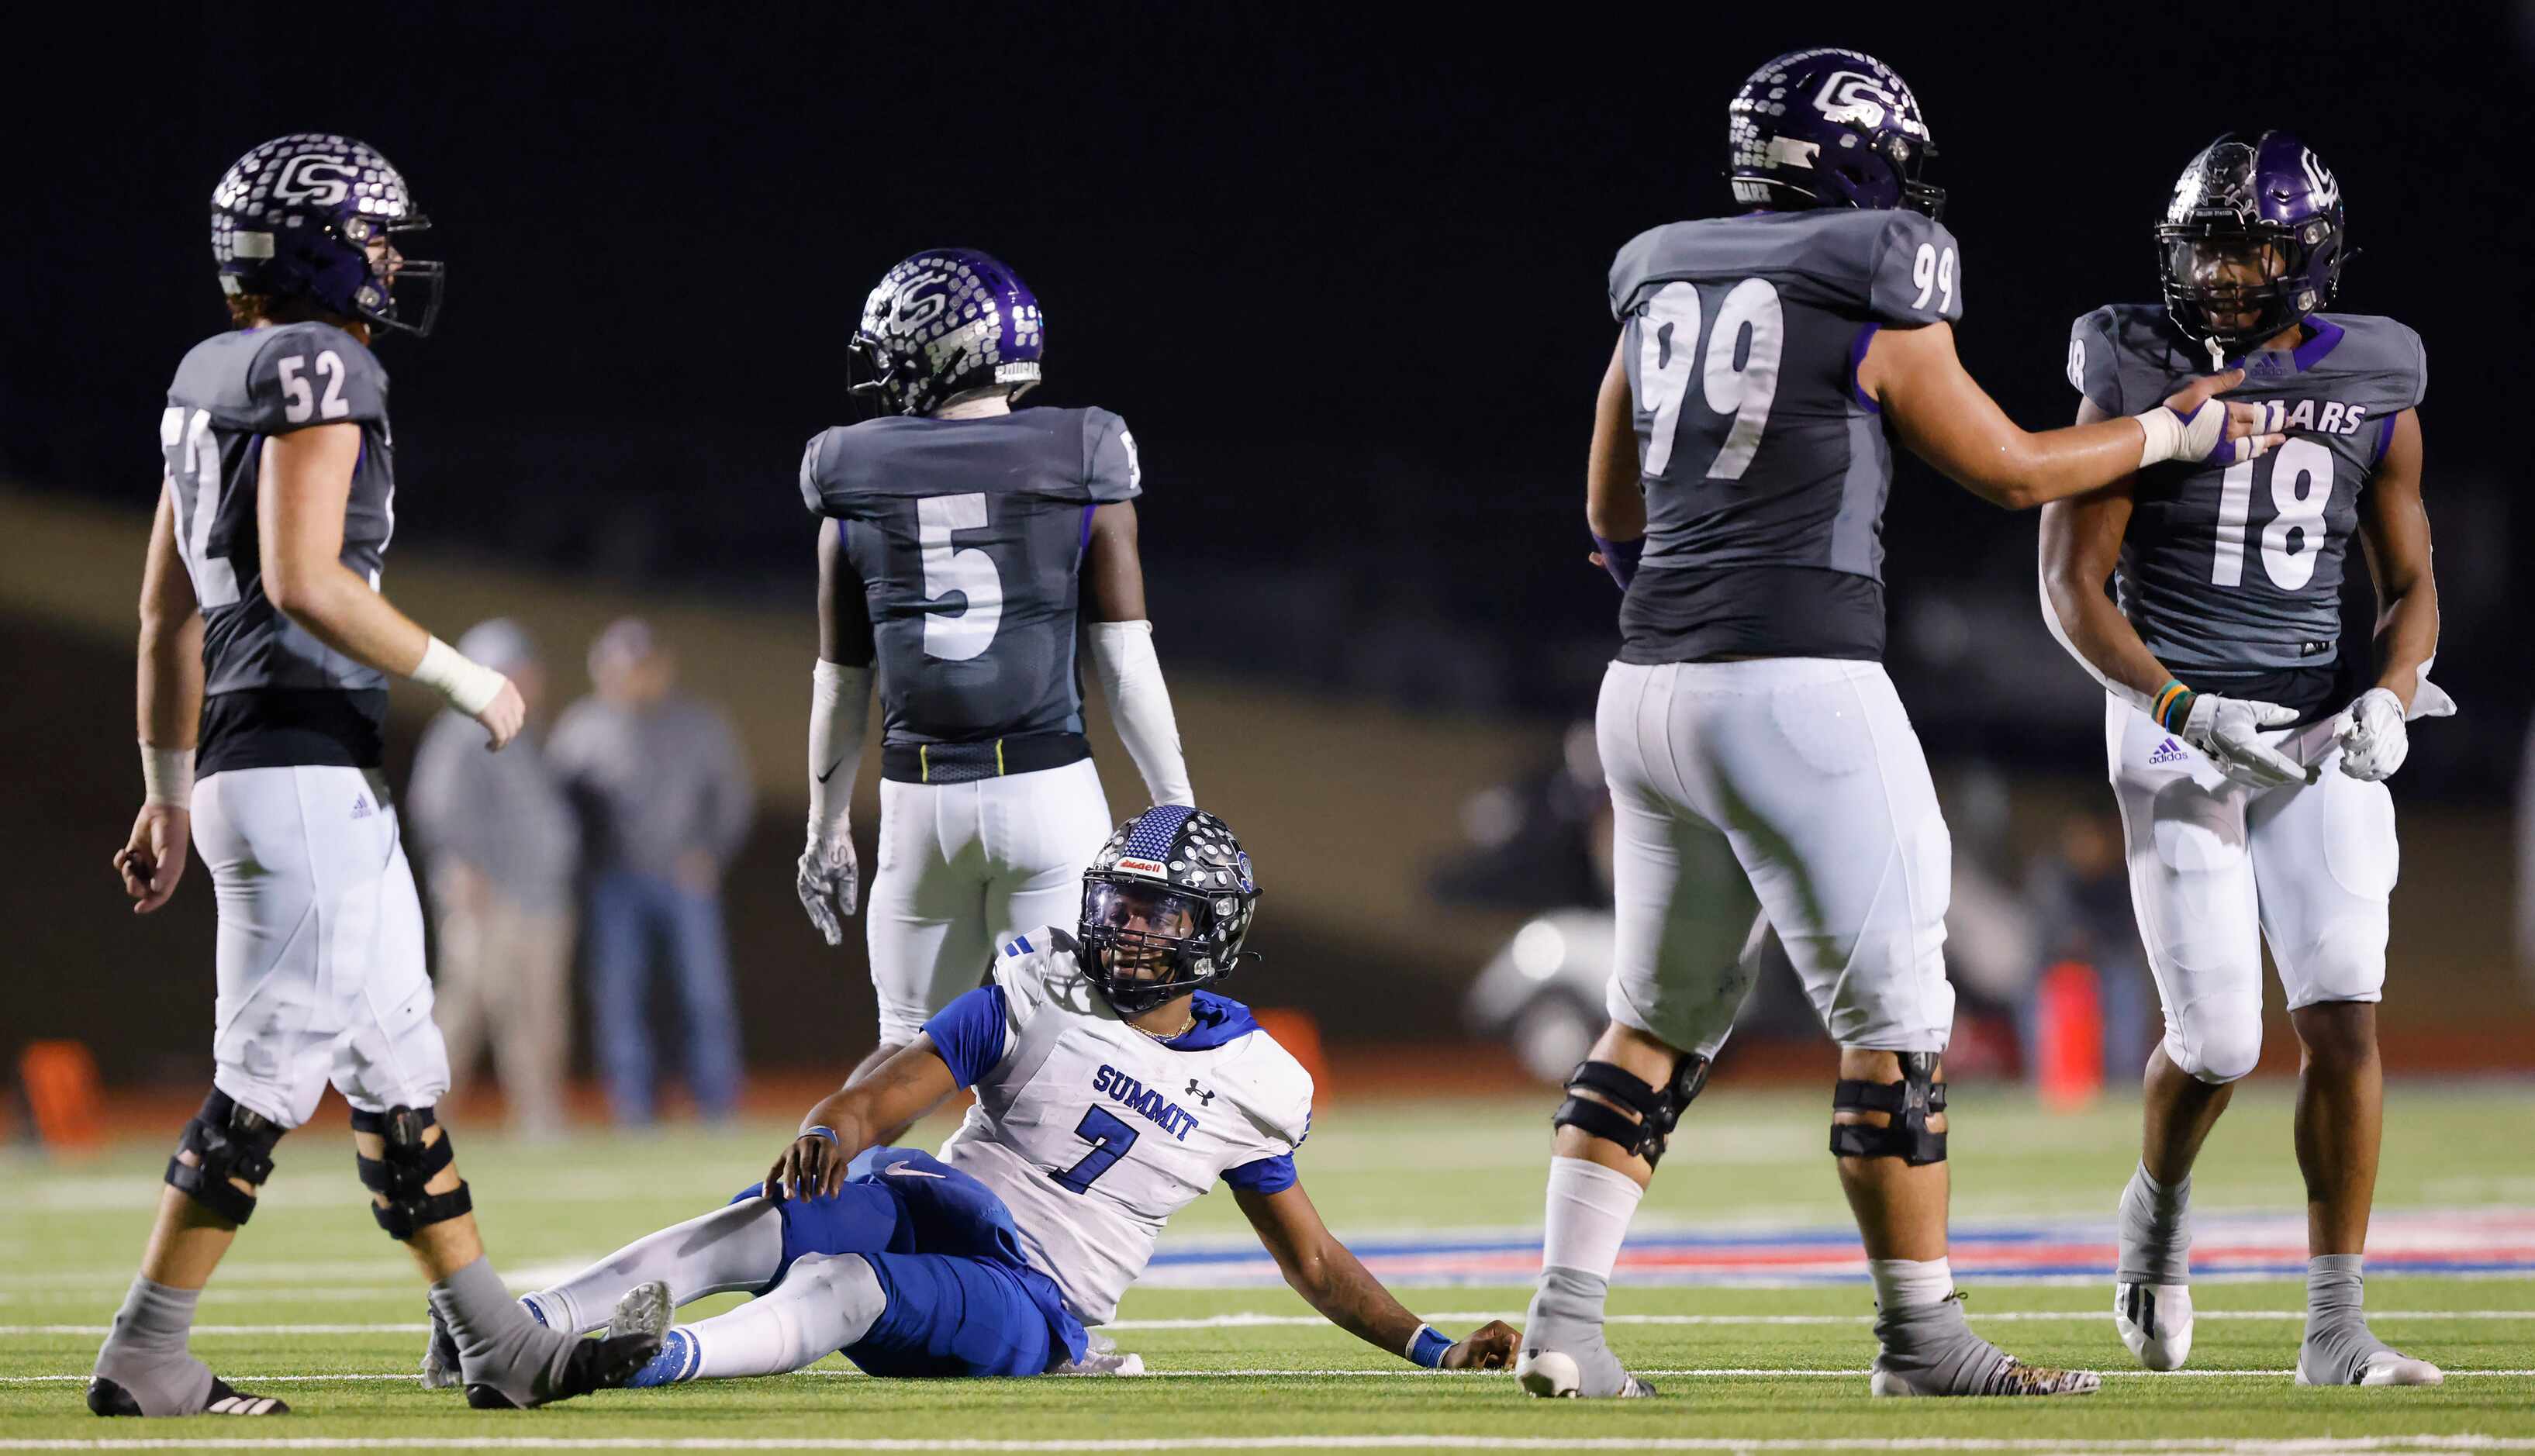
(966, 763)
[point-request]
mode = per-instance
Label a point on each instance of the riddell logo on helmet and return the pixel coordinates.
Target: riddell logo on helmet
(313, 179)
(1142, 867)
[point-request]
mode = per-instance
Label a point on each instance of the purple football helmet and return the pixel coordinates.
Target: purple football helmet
(944, 322)
(2252, 241)
(1828, 128)
(297, 217)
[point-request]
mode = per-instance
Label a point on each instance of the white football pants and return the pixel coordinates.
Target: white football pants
(2216, 867)
(320, 951)
(965, 867)
(1805, 774)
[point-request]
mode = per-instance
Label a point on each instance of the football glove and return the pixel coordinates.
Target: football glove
(829, 883)
(2228, 732)
(2374, 739)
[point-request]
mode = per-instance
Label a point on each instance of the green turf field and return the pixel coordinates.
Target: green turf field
(314, 1293)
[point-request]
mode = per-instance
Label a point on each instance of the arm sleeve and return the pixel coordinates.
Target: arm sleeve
(1916, 275)
(311, 375)
(2094, 370)
(972, 1032)
(1140, 705)
(811, 494)
(840, 716)
(1111, 471)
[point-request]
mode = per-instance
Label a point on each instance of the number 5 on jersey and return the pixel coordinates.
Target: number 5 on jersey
(961, 571)
(1738, 369)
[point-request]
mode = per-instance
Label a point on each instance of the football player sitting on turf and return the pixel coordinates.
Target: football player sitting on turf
(1112, 1090)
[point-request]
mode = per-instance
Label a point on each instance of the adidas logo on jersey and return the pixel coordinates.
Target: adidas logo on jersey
(2169, 752)
(361, 809)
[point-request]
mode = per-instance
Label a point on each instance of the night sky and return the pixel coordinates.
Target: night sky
(1345, 281)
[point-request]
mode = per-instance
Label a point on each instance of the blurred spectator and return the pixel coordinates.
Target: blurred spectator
(499, 843)
(2081, 889)
(1541, 843)
(665, 802)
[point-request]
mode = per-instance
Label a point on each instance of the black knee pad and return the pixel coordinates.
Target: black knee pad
(227, 1142)
(1909, 1101)
(1658, 1110)
(407, 1164)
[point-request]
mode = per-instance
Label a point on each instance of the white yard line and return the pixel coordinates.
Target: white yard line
(1266, 1373)
(2289, 1446)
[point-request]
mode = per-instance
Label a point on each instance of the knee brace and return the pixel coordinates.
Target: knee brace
(1658, 1110)
(407, 1164)
(227, 1142)
(1909, 1101)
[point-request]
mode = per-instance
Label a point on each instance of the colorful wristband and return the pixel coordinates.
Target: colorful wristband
(1620, 558)
(2172, 705)
(830, 1133)
(1427, 1345)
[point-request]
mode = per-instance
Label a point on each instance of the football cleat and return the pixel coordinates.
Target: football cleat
(106, 1398)
(2155, 1322)
(1552, 1375)
(2008, 1376)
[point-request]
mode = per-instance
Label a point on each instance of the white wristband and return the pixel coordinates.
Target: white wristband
(469, 685)
(2164, 439)
(167, 776)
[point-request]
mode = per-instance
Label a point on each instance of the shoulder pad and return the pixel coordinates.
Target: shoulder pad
(1110, 469)
(1916, 273)
(304, 375)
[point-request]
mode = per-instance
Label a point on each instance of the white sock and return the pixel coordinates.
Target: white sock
(738, 1246)
(1589, 1209)
(1910, 1284)
(826, 1303)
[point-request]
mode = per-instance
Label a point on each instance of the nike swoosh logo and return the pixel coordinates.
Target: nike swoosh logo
(832, 767)
(908, 1169)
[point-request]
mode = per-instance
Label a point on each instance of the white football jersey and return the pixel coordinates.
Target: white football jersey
(1094, 1134)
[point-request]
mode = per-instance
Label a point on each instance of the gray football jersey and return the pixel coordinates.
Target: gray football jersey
(1764, 469)
(274, 696)
(2235, 572)
(969, 534)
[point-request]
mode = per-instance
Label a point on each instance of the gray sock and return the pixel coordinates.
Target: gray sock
(1566, 1315)
(2155, 1231)
(2338, 1342)
(145, 1352)
(498, 1343)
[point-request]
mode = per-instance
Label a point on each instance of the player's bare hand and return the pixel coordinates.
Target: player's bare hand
(153, 859)
(1490, 1347)
(813, 1166)
(503, 718)
(2234, 431)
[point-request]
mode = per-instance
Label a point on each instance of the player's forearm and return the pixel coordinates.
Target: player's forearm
(1140, 707)
(2407, 633)
(2093, 631)
(2020, 469)
(168, 691)
(1334, 1282)
(342, 610)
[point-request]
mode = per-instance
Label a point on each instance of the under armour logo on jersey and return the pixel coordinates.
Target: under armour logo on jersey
(1204, 1097)
(2169, 752)
(361, 807)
